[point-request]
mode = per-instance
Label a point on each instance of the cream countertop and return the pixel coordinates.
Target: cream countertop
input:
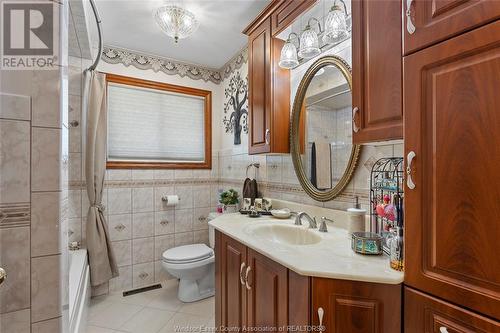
(331, 257)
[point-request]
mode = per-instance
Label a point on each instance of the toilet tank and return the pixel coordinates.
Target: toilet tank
(211, 230)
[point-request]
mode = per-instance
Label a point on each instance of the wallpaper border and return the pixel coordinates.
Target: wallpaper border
(115, 55)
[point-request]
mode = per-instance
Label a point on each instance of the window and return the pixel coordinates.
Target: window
(157, 125)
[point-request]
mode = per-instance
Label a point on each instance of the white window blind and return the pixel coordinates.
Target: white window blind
(154, 125)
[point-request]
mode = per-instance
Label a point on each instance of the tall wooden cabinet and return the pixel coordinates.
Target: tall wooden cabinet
(376, 71)
(430, 21)
(452, 197)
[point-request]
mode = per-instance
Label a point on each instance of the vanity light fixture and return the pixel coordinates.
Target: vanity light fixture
(309, 43)
(336, 24)
(176, 22)
(288, 57)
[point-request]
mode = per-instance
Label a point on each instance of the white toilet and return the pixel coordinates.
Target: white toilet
(194, 266)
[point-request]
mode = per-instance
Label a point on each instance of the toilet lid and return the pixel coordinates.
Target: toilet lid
(188, 253)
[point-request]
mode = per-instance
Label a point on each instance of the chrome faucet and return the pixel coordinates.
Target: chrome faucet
(312, 220)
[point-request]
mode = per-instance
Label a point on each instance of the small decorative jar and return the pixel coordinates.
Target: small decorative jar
(366, 243)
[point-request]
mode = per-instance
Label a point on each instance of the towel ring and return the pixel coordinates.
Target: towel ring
(256, 166)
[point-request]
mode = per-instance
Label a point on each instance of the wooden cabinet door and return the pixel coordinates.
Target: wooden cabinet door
(452, 124)
(232, 259)
(267, 291)
(437, 20)
(431, 315)
(376, 71)
(259, 88)
(356, 307)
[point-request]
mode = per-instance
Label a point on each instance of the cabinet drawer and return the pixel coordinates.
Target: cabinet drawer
(427, 314)
(287, 12)
(437, 20)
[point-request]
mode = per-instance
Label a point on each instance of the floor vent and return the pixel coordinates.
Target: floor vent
(141, 290)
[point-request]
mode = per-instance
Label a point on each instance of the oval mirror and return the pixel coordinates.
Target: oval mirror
(323, 155)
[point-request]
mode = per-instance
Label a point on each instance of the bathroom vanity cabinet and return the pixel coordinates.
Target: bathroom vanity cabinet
(253, 290)
(377, 105)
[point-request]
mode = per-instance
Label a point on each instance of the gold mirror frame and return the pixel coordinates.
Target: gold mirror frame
(308, 187)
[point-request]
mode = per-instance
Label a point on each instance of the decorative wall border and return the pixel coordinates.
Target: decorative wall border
(294, 189)
(235, 63)
(115, 55)
(15, 215)
(75, 185)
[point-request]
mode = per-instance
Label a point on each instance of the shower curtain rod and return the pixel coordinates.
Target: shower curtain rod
(99, 31)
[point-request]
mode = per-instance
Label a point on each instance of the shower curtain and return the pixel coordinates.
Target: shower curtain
(102, 260)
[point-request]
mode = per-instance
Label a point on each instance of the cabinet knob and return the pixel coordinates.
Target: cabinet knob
(409, 159)
(355, 126)
(443, 329)
(246, 278)
(268, 132)
(242, 280)
(410, 27)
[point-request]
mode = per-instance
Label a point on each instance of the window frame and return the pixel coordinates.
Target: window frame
(206, 94)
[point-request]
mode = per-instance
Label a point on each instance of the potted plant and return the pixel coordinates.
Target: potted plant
(229, 199)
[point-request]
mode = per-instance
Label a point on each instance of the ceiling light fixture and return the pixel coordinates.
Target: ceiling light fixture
(176, 22)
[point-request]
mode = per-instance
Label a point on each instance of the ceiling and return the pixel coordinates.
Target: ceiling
(130, 24)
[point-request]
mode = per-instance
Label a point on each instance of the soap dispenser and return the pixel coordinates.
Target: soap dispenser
(356, 217)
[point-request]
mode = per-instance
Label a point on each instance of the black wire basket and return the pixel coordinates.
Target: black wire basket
(386, 198)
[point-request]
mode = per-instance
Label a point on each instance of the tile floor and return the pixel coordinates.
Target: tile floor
(156, 311)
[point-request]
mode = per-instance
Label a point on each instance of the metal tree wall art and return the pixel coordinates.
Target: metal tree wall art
(237, 95)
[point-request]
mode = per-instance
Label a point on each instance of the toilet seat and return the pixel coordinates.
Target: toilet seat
(187, 254)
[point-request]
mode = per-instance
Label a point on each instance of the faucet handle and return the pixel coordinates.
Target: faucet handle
(323, 227)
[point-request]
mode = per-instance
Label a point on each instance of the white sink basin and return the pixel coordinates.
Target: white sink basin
(284, 234)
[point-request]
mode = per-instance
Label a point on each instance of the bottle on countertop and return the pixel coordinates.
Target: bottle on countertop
(396, 250)
(356, 218)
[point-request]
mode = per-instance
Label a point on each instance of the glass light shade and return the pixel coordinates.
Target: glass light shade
(335, 26)
(288, 58)
(176, 22)
(309, 44)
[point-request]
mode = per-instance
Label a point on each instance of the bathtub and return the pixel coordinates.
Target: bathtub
(79, 291)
